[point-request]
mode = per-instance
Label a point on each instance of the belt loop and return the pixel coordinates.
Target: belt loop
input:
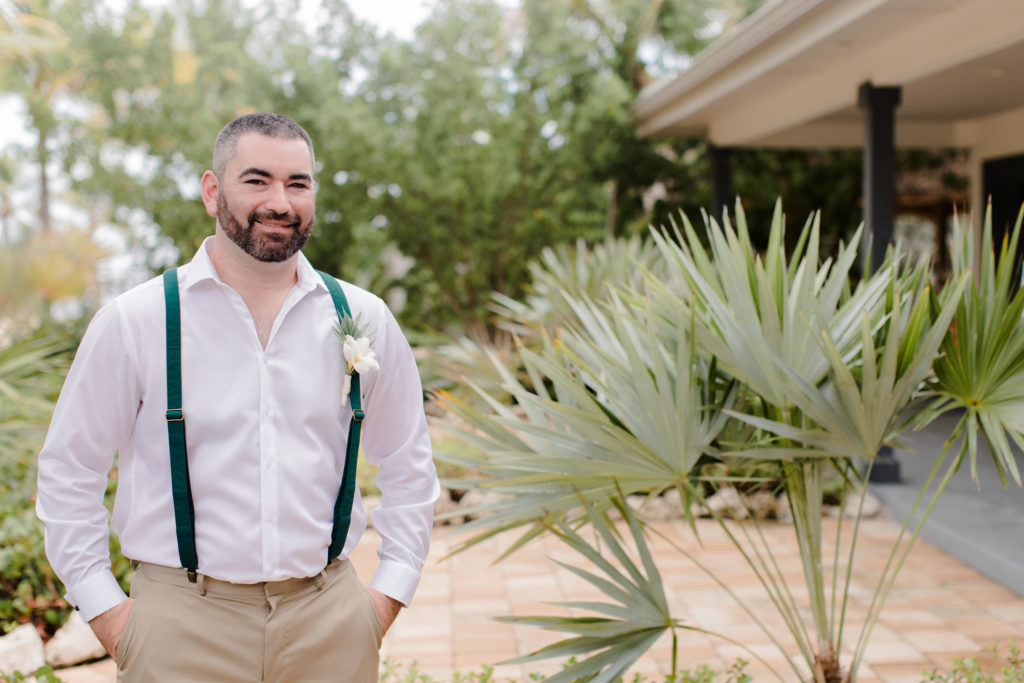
(320, 579)
(201, 584)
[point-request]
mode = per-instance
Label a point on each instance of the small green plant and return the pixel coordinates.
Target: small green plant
(968, 669)
(43, 674)
(705, 674)
(392, 672)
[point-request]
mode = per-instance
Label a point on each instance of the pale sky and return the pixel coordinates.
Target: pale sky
(399, 17)
(396, 16)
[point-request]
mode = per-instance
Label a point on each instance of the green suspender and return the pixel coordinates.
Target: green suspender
(181, 489)
(343, 506)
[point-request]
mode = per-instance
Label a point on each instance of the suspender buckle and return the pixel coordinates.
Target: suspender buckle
(357, 415)
(191, 574)
(175, 415)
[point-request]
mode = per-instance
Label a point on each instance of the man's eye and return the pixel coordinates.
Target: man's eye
(254, 181)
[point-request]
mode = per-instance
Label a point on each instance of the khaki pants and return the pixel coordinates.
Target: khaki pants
(324, 628)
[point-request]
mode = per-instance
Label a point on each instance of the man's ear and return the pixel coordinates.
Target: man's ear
(210, 189)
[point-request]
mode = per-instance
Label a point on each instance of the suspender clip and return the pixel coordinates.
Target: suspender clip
(357, 415)
(191, 573)
(175, 415)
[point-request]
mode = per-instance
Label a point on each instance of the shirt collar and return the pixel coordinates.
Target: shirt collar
(201, 268)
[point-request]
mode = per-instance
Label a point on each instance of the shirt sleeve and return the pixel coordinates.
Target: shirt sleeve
(395, 438)
(94, 415)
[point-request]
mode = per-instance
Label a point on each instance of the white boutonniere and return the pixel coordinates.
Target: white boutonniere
(358, 350)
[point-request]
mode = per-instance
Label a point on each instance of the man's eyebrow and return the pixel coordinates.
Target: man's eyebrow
(253, 170)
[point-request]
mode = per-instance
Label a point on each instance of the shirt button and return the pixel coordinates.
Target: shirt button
(269, 464)
(269, 517)
(269, 412)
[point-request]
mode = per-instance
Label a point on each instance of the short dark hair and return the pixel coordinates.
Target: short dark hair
(264, 123)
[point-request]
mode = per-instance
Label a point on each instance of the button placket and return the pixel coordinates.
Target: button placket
(269, 500)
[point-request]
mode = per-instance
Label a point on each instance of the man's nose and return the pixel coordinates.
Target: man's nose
(277, 199)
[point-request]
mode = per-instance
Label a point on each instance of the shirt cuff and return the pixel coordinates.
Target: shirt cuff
(396, 580)
(96, 594)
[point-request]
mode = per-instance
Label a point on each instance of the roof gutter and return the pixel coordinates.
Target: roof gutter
(753, 31)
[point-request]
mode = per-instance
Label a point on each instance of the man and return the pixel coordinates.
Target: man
(262, 454)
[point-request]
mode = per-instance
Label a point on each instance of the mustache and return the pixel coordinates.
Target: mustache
(292, 219)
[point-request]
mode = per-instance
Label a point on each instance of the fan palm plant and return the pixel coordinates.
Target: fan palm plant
(833, 371)
(579, 271)
(730, 356)
(605, 408)
(31, 372)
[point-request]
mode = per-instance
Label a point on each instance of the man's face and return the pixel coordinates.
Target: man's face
(265, 201)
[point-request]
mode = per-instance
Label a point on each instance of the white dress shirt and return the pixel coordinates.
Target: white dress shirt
(266, 434)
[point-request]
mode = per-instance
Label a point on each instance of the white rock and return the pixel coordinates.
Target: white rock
(763, 505)
(727, 504)
(872, 506)
(21, 650)
(658, 508)
(103, 671)
(73, 644)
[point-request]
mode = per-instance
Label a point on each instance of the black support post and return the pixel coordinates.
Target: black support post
(879, 106)
(721, 179)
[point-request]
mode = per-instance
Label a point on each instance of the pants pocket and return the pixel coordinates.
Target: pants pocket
(376, 625)
(128, 636)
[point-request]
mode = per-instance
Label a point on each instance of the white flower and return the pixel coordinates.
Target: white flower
(358, 350)
(359, 355)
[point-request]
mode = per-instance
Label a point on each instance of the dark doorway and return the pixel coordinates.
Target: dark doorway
(1003, 182)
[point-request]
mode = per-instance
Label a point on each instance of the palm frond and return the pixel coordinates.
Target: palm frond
(627, 627)
(981, 369)
(610, 405)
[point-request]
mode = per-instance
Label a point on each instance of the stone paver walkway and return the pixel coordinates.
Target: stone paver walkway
(938, 610)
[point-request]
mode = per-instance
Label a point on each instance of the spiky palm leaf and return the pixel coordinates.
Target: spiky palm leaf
(31, 372)
(756, 314)
(981, 369)
(634, 618)
(579, 271)
(610, 405)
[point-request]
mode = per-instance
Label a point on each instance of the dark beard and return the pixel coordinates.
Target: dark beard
(271, 248)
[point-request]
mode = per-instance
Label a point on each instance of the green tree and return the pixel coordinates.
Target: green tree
(39, 67)
(507, 131)
(493, 133)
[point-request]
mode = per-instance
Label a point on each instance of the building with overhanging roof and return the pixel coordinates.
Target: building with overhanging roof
(876, 74)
